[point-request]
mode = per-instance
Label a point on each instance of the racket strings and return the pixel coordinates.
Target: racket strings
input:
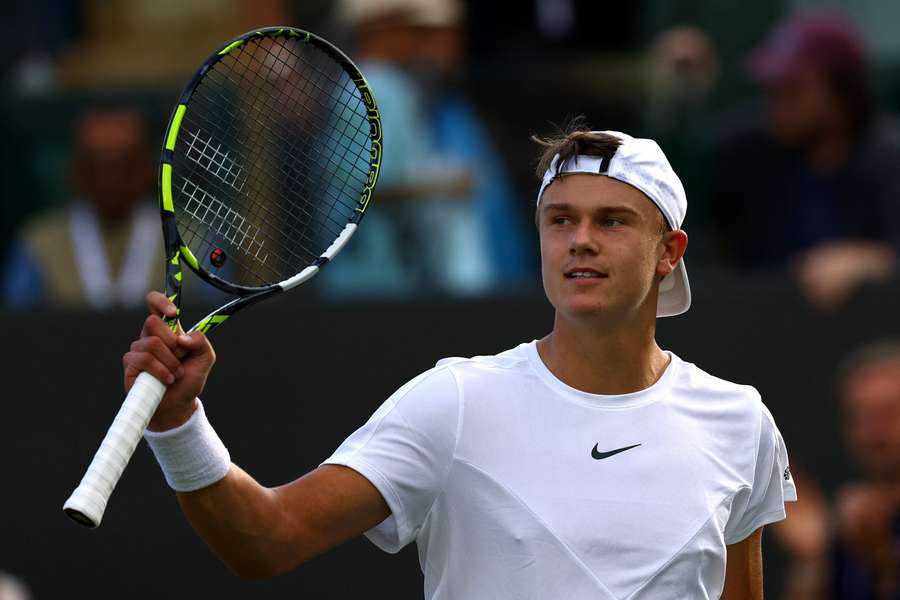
(264, 213)
(228, 106)
(260, 213)
(201, 235)
(307, 156)
(314, 77)
(318, 75)
(272, 160)
(360, 129)
(288, 174)
(362, 153)
(227, 168)
(360, 123)
(228, 223)
(337, 222)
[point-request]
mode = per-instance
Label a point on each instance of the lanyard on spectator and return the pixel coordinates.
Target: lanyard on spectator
(90, 255)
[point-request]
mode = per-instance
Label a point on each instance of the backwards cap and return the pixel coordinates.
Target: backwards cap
(641, 164)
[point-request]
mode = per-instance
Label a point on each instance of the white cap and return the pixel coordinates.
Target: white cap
(423, 13)
(641, 164)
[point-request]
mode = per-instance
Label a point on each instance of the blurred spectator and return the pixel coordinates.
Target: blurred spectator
(814, 186)
(12, 588)
(444, 215)
(851, 551)
(27, 61)
(683, 69)
(103, 248)
(681, 75)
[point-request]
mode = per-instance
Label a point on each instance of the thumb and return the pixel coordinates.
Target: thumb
(195, 344)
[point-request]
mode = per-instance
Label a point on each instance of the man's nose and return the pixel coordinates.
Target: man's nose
(583, 241)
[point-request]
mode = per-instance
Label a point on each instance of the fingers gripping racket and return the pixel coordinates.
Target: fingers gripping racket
(269, 162)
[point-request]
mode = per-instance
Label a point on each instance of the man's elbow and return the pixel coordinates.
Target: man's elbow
(249, 573)
(264, 565)
(255, 570)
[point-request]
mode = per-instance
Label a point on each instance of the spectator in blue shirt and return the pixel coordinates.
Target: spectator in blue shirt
(444, 217)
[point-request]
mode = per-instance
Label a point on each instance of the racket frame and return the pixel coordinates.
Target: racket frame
(177, 251)
(87, 503)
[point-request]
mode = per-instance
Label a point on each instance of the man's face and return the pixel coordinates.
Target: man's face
(872, 417)
(602, 246)
(112, 168)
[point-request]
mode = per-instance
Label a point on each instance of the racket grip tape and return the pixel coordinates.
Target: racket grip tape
(87, 503)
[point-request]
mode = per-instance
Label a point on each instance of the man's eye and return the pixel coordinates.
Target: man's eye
(613, 222)
(561, 220)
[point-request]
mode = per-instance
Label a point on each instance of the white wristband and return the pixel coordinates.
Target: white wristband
(191, 455)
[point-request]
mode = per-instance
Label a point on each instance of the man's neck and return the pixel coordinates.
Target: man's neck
(604, 360)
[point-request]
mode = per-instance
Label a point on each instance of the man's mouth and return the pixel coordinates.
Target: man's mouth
(582, 273)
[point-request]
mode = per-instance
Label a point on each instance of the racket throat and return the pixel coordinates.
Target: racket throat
(220, 315)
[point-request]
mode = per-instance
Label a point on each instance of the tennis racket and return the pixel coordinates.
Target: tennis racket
(268, 165)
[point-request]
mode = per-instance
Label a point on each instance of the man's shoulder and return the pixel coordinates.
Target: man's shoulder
(703, 387)
(695, 376)
(505, 359)
(441, 384)
(502, 364)
(731, 416)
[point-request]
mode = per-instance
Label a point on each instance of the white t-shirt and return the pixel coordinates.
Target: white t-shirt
(517, 486)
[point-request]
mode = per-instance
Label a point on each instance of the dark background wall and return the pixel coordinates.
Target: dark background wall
(292, 381)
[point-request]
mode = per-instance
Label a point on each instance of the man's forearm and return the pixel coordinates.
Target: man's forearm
(244, 524)
(261, 532)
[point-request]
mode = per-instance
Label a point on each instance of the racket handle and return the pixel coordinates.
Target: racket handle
(88, 502)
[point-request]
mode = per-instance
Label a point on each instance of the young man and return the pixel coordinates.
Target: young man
(587, 464)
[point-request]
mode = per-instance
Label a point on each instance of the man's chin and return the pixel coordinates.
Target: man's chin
(586, 307)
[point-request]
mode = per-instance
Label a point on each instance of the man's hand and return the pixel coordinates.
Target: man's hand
(182, 362)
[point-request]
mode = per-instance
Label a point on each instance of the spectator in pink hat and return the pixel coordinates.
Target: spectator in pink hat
(811, 187)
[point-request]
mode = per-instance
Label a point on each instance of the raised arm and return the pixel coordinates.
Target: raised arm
(257, 531)
(261, 531)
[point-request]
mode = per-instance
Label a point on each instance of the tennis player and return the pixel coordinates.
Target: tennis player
(589, 464)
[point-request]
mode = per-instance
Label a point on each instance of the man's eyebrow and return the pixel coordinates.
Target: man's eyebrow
(556, 206)
(563, 206)
(618, 209)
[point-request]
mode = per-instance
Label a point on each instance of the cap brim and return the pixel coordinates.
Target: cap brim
(674, 293)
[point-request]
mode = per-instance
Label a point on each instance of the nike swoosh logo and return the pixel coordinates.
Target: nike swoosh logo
(597, 455)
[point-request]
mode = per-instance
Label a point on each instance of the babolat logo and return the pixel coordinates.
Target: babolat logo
(787, 473)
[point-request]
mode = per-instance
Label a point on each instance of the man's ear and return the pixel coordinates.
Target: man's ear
(673, 243)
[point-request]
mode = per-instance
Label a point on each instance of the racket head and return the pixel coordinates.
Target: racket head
(269, 162)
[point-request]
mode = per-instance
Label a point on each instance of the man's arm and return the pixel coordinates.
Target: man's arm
(743, 569)
(260, 532)
(257, 531)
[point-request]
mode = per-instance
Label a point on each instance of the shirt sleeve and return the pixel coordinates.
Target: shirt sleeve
(405, 450)
(763, 502)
